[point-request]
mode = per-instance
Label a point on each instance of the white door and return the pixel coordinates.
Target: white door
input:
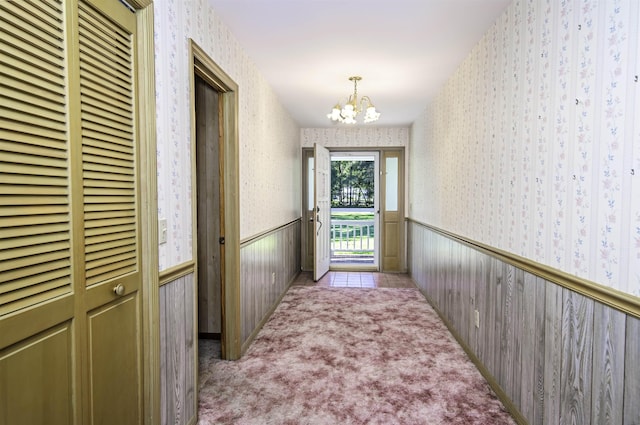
(322, 211)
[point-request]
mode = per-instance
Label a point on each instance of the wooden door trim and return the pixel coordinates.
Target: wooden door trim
(307, 152)
(148, 196)
(387, 264)
(230, 203)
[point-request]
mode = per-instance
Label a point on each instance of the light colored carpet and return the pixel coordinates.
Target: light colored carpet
(349, 356)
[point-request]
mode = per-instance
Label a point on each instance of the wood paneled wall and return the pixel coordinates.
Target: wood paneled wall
(276, 252)
(558, 357)
(178, 367)
(268, 265)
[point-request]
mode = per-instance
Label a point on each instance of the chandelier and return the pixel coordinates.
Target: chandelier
(352, 108)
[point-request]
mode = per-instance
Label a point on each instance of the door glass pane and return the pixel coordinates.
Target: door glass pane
(310, 183)
(391, 184)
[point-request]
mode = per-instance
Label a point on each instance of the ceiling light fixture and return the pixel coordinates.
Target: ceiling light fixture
(352, 108)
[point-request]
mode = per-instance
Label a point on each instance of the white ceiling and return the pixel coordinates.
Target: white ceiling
(404, 49)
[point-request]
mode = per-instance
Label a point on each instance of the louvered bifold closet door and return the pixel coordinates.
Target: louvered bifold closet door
(108, 148)
(36, 285)
(106, 42)
(34, 185)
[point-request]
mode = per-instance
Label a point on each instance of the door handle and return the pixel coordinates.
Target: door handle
(118, 289)
(318, 220)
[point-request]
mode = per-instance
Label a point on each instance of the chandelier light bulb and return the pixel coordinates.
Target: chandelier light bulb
(371, 114)
(348, 111)
(335, 113)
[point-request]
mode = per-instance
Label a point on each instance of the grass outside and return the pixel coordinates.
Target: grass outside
(351, 215)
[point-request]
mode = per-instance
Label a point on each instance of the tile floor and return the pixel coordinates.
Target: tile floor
(357, 280)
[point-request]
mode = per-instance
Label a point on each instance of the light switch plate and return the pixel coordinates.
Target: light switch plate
(162, 230)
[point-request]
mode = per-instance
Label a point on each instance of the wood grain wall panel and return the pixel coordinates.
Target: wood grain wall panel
(465, 265)
(577, 359)
(560, 357)
(208, 207)
(608, 365)
(472, 272)
(518, 336)
(505, 367)
(552, 352)
(631, 414)
(527, 330)
(481, 281)
(190, 352)
(495, 320)
(164, 378)
(450, 277)
(268, 265)
(276, 252)
(245, 271)
(178, 351)
(169, 380)
(539, 352)
(462, 299)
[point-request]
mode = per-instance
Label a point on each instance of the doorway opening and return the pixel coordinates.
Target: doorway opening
(209, 214)
(355, 210)
(215, 205)
(387, 233)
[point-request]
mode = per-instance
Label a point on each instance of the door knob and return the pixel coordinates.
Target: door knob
(118, 289)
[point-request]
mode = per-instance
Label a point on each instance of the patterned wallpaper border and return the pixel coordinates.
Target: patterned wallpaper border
(355, 137)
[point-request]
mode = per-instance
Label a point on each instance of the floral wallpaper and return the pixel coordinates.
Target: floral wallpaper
(533, 145)
(269, 138)
(355, 137)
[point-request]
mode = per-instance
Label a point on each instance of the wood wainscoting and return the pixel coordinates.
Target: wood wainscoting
(553, 354)
(178, 374)
(269, 263)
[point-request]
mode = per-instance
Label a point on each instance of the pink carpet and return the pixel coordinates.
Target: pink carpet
(349, 356)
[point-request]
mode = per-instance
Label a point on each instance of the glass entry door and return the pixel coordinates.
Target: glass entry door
(355, 210)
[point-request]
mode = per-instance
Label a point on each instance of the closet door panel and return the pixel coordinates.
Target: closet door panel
(37, 333)
(106, 40)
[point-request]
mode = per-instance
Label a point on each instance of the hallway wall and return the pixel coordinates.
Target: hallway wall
(269, 138)
(269, 183)
(556, 356)
(269, 264)
(533, 145)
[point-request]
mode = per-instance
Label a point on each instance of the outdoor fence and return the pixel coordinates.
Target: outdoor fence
(352, 239)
